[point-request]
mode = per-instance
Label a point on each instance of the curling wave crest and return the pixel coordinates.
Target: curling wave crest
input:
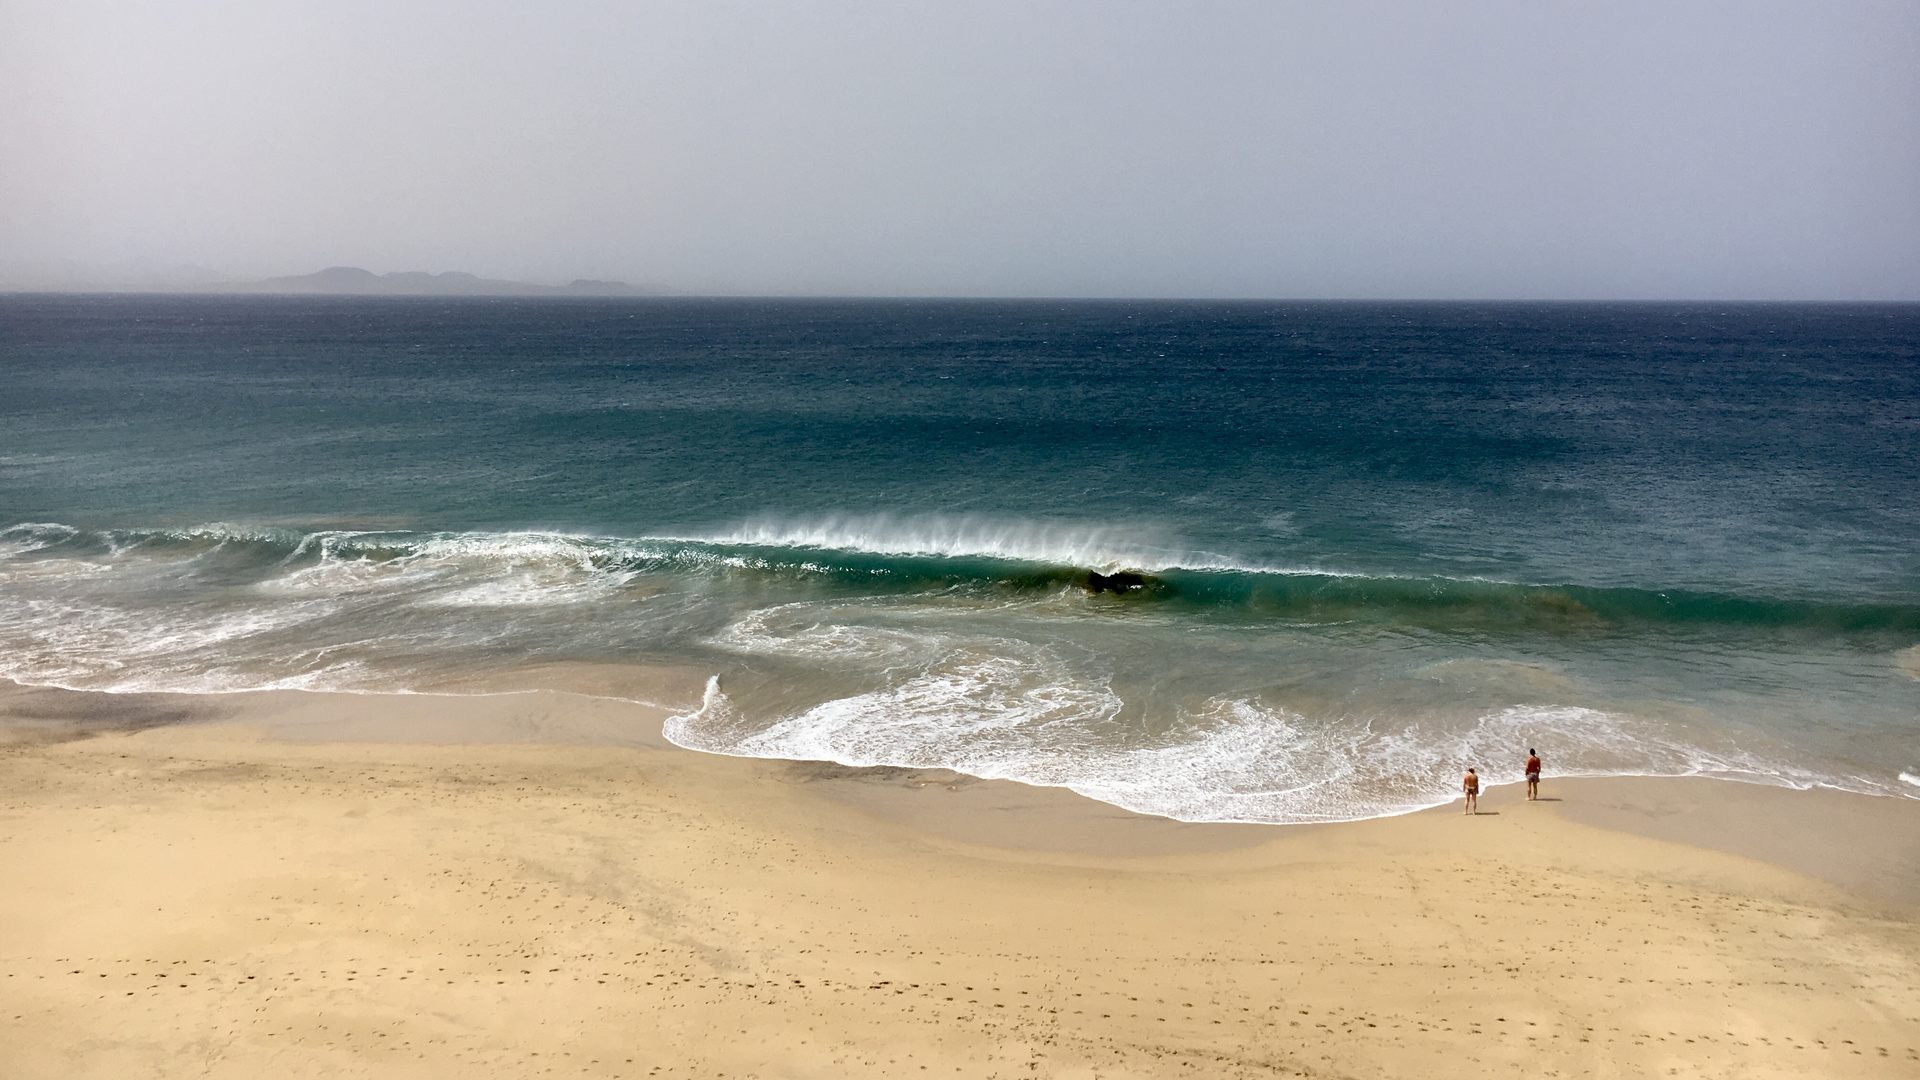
(1057, 543)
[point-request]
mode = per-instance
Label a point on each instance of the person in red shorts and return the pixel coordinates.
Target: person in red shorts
(1471, 785)
(1533, 774)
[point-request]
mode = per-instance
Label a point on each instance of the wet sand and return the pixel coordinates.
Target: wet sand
(194, 886)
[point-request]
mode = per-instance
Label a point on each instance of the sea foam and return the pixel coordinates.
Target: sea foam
(1227, 760)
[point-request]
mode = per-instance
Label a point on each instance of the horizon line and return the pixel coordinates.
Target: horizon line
(654, 297)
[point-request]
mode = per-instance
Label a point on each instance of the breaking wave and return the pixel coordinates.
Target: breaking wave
(1113, 661)
(880, 555)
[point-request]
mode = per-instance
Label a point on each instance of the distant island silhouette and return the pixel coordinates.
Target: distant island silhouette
(352, 280)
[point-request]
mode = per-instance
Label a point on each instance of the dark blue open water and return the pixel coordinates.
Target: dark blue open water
(1374, 543)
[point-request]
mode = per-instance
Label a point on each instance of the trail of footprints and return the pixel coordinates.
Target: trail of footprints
(664, 977)
(1045, 1018)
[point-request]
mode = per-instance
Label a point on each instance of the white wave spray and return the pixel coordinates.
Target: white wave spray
(1052, 543)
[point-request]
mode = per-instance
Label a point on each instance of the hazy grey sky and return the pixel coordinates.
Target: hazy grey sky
(1416, 149)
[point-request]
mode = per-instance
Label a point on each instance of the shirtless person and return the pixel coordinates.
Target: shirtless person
(1471, 785)
(1533, 774)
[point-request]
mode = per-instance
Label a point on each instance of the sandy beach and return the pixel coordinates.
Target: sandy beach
(223, 887)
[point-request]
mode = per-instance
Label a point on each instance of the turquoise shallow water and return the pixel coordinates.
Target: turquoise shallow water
(1277, 562)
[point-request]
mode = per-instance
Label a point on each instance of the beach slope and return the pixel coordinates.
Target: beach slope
(219, 900)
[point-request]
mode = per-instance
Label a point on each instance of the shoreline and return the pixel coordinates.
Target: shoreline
(600, 705)
(219, 898)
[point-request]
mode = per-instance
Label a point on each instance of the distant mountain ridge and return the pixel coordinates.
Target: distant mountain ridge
(353, 281)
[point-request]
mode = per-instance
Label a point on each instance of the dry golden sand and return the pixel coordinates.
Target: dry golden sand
(217, 901)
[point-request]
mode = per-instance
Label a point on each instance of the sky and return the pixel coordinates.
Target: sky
(1607, 150)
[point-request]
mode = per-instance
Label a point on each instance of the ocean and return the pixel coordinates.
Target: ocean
(1276, 562)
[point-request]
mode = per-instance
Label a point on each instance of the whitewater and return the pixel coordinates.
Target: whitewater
(1282, 563)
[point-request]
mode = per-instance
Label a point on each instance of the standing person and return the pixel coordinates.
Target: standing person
(1471, 785)
(1533, 774)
